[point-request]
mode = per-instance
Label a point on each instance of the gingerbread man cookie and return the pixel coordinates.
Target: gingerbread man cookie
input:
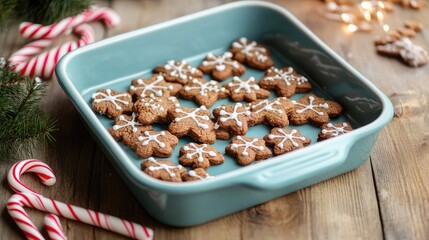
(247, 150)
(150, 143)
(163, 170)
(285, 140)
(112, 103)
(155, 85)
(126, 126)
(178, 71)
(195, 175)
(330, 130)
(204, 93)
(154, 109)
(232, 119)
(313, 109)
(200, 156)
(286, 81)
(221, 67)
(273, 112)
(194, 122)
(251, 53)
(245, 90)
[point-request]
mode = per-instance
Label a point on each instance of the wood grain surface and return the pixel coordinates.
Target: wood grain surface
(387, 197)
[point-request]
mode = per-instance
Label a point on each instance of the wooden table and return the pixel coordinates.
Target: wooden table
(387, 197)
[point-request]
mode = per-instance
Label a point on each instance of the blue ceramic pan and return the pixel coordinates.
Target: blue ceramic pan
(114, 62)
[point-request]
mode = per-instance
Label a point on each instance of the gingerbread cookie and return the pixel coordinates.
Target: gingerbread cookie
(330, 130)
(112, 103)
(194, 122)
(150, 143)
(273, 112)
(178, 71)
(155, 85)
(204, 93)
(196, 174)
(125, 126)
(221, 67)
(245, 90)
(251, 53)
(200, 156)
(234, 119)
(154, 109)
(247, 150)
(163, 170)
(285, 140)
(313, 109)
(414, 25)
(286, 81)
(410, 53)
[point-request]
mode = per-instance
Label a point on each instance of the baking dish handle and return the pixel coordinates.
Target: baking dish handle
(299, 169)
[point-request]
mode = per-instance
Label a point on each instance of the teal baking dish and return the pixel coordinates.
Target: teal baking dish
(115, 61)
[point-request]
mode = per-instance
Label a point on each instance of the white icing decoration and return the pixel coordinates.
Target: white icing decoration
(267, 106)
(152, 87)
(335, 131)
(192, 173)
(147, 138)
(179, 69)
(249, 48)
(193, 115)
(220, 62)
(198, 150)
(210, 86)
(110, 98)
(286, 137)
(156, 102)
(310, 106)
(131, 123)
(225, 116)
(287, 77)
(248, 85)
(162, 166)
(246, 145)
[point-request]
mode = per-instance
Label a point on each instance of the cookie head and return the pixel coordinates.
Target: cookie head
(251, 53)
(286, 140)
(245, 90)
(247, 150)
(200, 156)
(313, 109)
(163, 170)
(221, 67)
(112, 103)
(178, 71)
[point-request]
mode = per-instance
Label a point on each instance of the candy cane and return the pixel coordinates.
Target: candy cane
(28, 61)
(54, 228)
(37, 31)
(94, 218)
(28, 197)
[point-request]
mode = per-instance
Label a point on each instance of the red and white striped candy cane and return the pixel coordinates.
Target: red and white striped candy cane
(54, 228)
(37, 31)
(94, 218)
(28, 61)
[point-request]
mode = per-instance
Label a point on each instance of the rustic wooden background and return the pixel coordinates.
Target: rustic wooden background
(387, 197)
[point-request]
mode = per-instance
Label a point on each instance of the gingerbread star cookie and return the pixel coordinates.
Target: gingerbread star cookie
(313, 109)
(285, 81)
(245, 90)
(154, 109)
(163, 170)
(247, 150)
(194, 122)
(273, 112)
(233, 119)
(195, 175)
(126, 126)
(251, 53)
(221, 67)
(200, 156)
(330, 130)
(112, 103)
(155, 85)
(178, 71)
(286, 140)
(151, 143)
(204, 93)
